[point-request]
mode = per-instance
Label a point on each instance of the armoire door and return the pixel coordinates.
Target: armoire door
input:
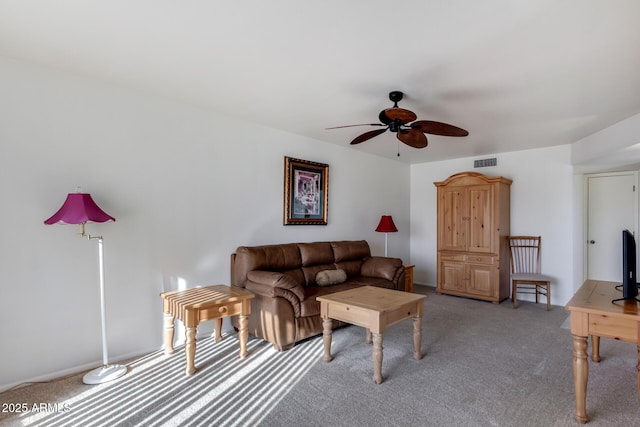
(452, 216)
(480, 218)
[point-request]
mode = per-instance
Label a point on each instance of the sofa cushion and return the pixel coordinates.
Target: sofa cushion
(352, 268)
(310, 306)
(271, 257)
(330, 277)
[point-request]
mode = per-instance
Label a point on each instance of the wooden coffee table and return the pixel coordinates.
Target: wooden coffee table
(374, 309)
(196, 305)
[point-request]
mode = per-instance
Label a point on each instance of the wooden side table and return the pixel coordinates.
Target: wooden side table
(408, 277)
(196, 305)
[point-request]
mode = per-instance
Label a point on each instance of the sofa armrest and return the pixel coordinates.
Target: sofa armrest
(274, 284)
(382, 267)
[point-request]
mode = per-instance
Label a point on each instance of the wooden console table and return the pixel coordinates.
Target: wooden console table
(196, 305)
(408, 277)
(593, 314)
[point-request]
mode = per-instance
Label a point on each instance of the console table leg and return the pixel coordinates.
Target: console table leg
(417, 338)
(168, 333)
(638, 366)
(327, 323)
(190, 350)
(377, 358)
(243, 334)
(580, 377)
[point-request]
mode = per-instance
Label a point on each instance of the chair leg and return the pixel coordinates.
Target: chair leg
(548, 296)
(514, 294)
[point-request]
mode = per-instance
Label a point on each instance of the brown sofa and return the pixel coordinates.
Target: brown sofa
(283, 279)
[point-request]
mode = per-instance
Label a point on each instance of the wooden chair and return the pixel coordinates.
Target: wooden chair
(525, 269)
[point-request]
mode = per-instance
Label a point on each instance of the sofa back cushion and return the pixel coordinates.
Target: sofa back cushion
(316, 257)
(350, 250)
(349, 255)
(301, 261)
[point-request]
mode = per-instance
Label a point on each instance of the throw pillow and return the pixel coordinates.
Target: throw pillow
(330, 277)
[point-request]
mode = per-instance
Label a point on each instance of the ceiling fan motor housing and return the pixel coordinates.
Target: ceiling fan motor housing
(395, 96)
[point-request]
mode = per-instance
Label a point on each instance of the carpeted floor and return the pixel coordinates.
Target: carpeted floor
(485, 365)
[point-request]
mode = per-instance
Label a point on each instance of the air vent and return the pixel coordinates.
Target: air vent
(485, 163)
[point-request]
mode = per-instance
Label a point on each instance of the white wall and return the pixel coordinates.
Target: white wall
(187, 186)
(542, 203)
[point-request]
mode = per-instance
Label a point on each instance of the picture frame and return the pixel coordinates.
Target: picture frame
(306, 192)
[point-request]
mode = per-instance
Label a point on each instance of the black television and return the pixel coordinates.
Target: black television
(629, 283)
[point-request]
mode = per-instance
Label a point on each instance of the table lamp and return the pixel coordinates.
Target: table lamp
(79, 208)
(385, 226)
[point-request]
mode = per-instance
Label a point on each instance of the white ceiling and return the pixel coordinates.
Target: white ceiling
(515, 74)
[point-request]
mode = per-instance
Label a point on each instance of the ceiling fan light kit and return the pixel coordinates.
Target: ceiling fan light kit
(399, 121)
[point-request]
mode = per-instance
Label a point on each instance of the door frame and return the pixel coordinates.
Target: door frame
(585, 212)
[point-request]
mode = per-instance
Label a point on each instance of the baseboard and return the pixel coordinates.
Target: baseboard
(76, 369)
(429, 285)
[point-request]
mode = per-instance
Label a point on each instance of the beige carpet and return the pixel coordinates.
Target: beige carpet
(485, 365)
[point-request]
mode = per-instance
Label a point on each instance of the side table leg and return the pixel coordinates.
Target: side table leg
(417, 338)
(580, 377)
(190, 350)
(168, 333)
(377, 358)
(243, 334)
(367, 336)
(217, 329)
(595, 348)
(327, 323)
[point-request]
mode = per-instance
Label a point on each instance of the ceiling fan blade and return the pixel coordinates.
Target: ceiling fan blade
(413, 138)
(368, 135)
(351, 126)
(395, 113)
(438, 128)
(383, 118)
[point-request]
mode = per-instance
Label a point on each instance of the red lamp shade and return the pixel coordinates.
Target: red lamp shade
(78, 209)
(386, 225)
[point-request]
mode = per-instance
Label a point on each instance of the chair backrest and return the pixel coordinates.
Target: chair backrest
(525, 254)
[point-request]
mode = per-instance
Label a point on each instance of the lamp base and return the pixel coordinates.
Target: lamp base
(104, 374)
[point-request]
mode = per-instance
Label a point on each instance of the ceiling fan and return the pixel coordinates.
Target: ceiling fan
(398, 120)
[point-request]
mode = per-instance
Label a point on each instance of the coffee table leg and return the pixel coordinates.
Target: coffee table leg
(243, 334)
(190, 350)
(367, 338)
(417, 338)
(168, 333)
(377, 358)
(326, 338)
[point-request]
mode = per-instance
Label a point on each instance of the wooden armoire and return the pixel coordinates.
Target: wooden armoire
(473, 225)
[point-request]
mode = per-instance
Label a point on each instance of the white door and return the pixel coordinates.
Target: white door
(611, 208)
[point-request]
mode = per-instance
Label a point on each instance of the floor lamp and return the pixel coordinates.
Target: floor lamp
(386, 226)
(79, 208)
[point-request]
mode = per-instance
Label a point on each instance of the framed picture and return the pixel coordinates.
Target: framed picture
(306, 192)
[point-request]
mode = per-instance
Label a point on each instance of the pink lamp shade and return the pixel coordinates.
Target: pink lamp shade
(79, 208)
(386, 225)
